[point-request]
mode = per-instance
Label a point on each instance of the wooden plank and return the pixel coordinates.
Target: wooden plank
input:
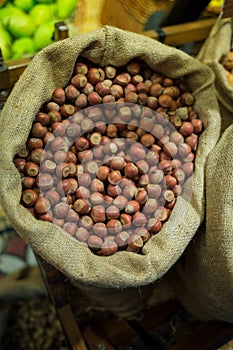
(118, 332)
(180, 34)
(71, 328)
(209, 335)
(156, 315)
(95, 338)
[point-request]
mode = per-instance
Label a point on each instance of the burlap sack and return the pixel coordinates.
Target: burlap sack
(213, 53)
(203, 279)
(53, 67)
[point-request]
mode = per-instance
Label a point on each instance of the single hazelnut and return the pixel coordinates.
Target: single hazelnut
(45, 181)
(132, 207)
(121, 239)
(139, 219)
(31, 169)
(120, 202)
(81, 206)
(100, 229)
(70, 228)
(86, 222)
(42, 205)
(112, 212)
(59, 96)
(29, 197)
(102, 172)
(126, 220)
(114, 177)
(114, 226)
(79, 80)
(81, 234)
(135, 243)
(98, 213)
(114, 190)
(109, 248)
(96, 198)
(154, 225)
(94, 242)
(97, 185)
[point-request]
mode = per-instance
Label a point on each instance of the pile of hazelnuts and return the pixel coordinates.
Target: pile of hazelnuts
(109, 153)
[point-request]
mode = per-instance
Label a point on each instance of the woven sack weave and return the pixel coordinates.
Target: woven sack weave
(203, 279)
(213, 52)
(52, 67)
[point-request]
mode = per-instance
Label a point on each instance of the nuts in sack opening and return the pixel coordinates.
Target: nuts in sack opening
(105, 47)
(108, 156)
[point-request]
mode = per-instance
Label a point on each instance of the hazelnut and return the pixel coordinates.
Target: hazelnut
(188, 168)
(31, 169)
(162, 214)
(102, 172)
(117, 163)
(29, 197)
(100, 229)
(126, 220)
(59, 96)
(135, 243)
(114, 177)
(139, 219)
(95, 75)
(81, 206)
(81, 234)
(114, 190)
(82, 144)
(96, 185)
(61, 210)
(121, 239)
(132, 207)
(150, 206)
(96, 198)
(154, 225)
(109, 248)
(42, 205)
(112, 212)
(28, 182)
(94, 242)
(120, 202)
(130, 170)
(114, 226)
(70, 228)
(141, 196)
(197, 125)
(79, 80)
(86, 222)
(98, 213)
(53, 196)
(45, 181)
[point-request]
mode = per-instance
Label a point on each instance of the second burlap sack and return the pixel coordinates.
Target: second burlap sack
(52, 67)
(203, 278)
(213, 53)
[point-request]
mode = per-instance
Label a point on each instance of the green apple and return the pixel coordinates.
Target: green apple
(43, 35)
(5, 42)
(20, 25)
(45, 1)
(65, 8)
(23, 47)
(7, 12)
(24, 5)
(42, 13)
